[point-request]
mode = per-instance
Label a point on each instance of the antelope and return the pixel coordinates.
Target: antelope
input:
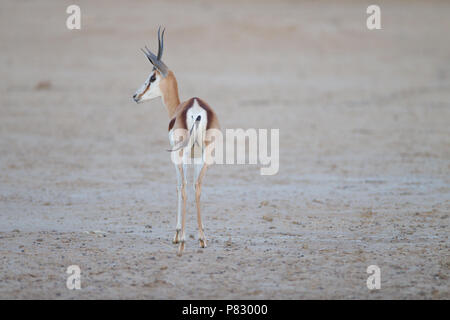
(196, 118)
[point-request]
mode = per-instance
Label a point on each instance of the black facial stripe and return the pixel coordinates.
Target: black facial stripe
(140, 96)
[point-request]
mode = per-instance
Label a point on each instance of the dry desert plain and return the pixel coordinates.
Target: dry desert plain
(364, 120)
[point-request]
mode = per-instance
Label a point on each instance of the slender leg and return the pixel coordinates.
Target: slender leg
(176, 238)
(200, 170)
(183, 170)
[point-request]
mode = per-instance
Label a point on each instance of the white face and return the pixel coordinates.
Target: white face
(150, 89)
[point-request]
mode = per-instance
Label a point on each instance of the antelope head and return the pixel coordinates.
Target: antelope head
(151, 87)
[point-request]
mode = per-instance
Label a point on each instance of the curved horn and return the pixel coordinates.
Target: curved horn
(160, 43)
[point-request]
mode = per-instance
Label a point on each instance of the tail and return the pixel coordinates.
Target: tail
(189, 141)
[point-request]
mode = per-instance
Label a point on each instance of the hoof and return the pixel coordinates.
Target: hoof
(180, 249)
(202, 243)
(176, 238)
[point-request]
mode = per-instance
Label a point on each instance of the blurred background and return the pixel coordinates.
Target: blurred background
(364, 149)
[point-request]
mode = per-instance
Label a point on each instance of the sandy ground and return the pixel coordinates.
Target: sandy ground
(364, 151)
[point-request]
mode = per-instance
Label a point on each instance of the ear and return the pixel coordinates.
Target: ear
(158, 64)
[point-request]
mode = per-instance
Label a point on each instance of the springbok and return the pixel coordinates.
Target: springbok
(193, 112)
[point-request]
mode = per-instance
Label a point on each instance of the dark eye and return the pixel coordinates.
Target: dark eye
(153, 78)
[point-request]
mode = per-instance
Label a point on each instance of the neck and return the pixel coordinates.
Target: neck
(170, 94)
